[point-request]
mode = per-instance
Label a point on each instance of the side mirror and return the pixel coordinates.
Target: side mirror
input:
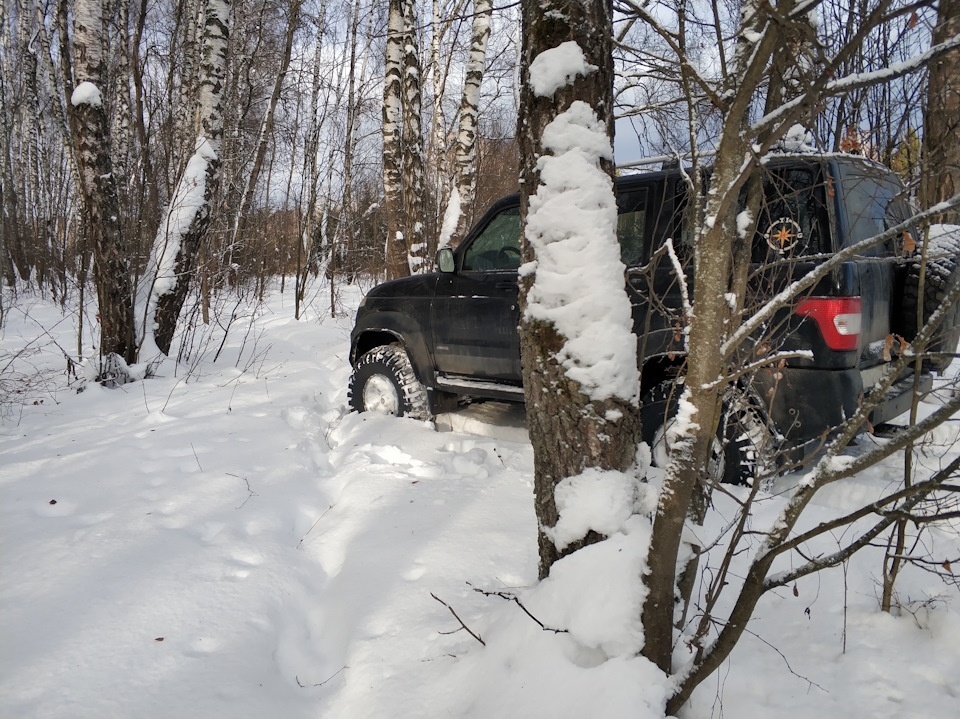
(445, 260)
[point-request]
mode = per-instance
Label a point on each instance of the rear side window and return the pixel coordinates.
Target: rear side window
(873, 202)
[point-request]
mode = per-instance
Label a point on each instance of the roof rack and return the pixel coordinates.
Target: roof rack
(665, 161)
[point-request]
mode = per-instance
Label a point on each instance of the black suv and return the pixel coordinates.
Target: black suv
(421, 342)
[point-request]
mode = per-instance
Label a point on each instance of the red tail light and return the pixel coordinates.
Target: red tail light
(837, 317)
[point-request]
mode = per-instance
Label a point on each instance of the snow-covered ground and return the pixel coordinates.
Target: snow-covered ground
(226, 540)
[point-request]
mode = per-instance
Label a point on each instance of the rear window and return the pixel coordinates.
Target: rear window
(793, 219)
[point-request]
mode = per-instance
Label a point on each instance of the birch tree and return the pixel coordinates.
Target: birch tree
(313, 203)
(455, 223)
(412, 144)
(395, 249)
(176, 249)
(101, 209)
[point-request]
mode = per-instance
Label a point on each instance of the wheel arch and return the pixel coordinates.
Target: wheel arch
(392, 328)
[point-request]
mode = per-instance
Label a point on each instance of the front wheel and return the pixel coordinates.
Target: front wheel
(742, 448)
(384, 382)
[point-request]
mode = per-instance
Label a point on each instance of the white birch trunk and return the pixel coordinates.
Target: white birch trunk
(456, 220)
(412, 139)
(392, 149)
(98, 186)
(175, 250)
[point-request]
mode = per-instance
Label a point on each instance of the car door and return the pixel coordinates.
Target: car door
(871, 199)
(475, 311)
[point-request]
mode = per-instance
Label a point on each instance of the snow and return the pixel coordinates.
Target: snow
(556, 67)
(86, 93)
(944, 241)
(285, 551)
(572, 227)
(595, 499)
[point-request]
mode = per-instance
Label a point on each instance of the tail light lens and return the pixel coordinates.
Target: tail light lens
(838, 319)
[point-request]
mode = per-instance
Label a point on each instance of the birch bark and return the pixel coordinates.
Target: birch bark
(101, 211)
(173, 258)
(392, 148)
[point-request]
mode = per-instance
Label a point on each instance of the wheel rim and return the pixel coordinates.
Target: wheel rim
(381, 396)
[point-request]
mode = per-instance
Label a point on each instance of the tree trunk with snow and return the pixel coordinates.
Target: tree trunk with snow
(466, 147)
(941, 134)
(173, 259)
(101, 209)
(396, 250)
(580, 415)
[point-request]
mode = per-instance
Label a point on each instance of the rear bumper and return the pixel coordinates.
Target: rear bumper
(807, 405)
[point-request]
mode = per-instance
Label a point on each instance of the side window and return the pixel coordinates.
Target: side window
(632, 225)
(873, 204)
(498, 245)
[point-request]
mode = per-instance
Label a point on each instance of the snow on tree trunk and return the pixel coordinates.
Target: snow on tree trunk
(101, 209)
(456, 221)
(578, 352)
(173, 258)
(942, 118)
(396, 251)
(412, 141)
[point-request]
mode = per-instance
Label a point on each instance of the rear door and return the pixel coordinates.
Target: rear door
(872, 203)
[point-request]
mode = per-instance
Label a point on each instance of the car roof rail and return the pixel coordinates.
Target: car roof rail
(666, 162)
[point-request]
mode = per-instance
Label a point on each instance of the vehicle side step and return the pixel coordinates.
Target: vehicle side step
(481, 388)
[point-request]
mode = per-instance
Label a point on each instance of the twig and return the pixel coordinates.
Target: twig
(198, 459)
(247, 482)
(469, 631)
(332, 676)
(511, 597)
(315, 523)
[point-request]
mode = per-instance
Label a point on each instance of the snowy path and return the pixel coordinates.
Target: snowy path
(286, 551)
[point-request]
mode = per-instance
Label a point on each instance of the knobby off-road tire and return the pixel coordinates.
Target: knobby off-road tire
(743, 447)
(942, 274)
(384, 382)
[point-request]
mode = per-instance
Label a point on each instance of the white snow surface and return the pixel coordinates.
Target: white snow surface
(286, 550)
(556, 67)
(572, 226)
(86, 93)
